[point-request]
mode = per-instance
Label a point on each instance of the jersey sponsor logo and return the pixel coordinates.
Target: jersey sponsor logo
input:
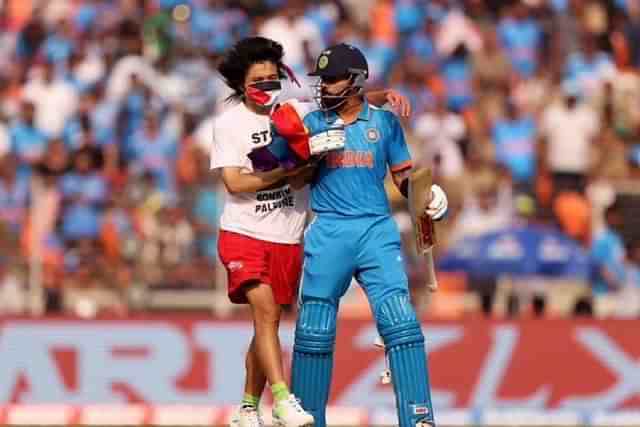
(373, 135)
(350, 159)
(270, 200)
(261, 137)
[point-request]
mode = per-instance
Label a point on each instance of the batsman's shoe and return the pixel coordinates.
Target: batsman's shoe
(289, 413)
(246, 416)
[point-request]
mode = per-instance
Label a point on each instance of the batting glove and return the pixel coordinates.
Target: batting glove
(439, 203)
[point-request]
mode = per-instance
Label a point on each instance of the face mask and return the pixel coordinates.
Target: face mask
(265, 93)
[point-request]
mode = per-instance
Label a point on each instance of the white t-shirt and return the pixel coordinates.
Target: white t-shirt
(569, 135)
(274, 215)
(91, 70)
(55, 103)
(119, 80)
(439, 135)
(292, 36)
(5, 140)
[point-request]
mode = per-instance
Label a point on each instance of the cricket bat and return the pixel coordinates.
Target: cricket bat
(419, 198)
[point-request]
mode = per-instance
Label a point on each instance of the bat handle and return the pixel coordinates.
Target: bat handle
(431, 279)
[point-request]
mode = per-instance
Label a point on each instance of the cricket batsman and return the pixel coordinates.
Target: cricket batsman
(354, 235)
(263, 220)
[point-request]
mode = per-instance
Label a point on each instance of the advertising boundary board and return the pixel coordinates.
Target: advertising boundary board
(483, 372)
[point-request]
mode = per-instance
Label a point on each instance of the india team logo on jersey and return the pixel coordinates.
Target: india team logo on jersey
(373, 135)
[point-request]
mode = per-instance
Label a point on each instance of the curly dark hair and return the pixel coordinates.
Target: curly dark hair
(243, 55)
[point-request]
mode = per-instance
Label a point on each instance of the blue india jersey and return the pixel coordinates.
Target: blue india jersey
(607, 250)
(522, 41)
(350, 181)
(515, 143)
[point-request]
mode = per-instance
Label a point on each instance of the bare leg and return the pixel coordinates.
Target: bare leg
(266, 319)
(255, 379)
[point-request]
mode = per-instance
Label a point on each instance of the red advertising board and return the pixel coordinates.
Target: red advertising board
(475, 364)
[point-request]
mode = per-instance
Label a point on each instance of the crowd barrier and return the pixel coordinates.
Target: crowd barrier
(152, 370)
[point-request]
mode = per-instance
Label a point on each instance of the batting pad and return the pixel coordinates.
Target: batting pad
(313, 357)
(404, 344)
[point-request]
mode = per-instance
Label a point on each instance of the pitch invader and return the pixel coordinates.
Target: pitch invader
(261, 225)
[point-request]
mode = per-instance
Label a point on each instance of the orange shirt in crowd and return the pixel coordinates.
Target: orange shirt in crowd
(574, 215)
(383, 28)
(18, 13)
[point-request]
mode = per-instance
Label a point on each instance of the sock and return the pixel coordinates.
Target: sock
(249, 400)
(280, 392)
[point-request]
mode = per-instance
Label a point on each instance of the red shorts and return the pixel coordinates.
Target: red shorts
(247, 259)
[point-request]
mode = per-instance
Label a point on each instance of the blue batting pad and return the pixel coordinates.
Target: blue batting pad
(313, 357)
(404, 344)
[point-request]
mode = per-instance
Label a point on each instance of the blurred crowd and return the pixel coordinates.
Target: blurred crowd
(528, 111)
